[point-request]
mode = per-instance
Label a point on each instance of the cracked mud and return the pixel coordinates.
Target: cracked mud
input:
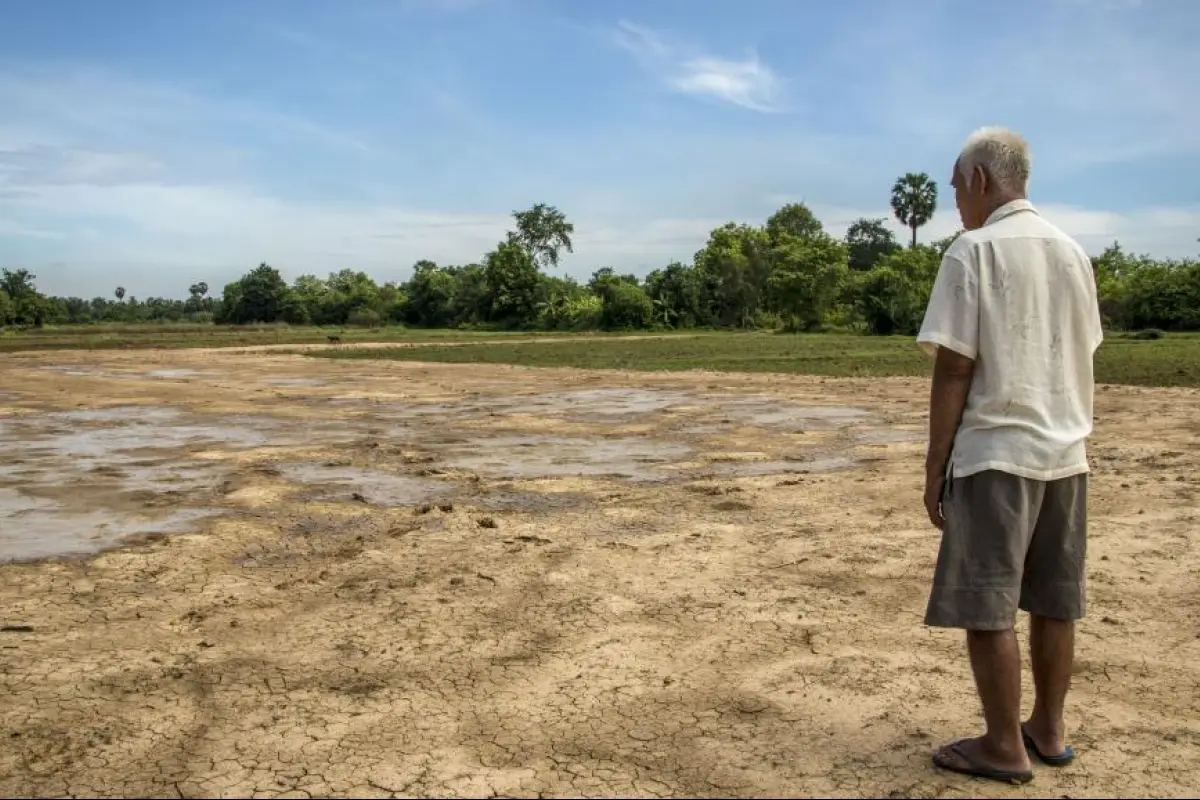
(235, 575)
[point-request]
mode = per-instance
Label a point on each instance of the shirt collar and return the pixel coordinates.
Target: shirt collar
(1008, 209)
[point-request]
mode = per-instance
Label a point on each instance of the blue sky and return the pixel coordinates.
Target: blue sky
(152, 144)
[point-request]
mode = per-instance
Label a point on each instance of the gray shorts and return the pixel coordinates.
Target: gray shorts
(1009, 543)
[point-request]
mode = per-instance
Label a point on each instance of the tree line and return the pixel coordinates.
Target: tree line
(787, 274)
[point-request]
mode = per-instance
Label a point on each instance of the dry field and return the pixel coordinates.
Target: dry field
(378, 578)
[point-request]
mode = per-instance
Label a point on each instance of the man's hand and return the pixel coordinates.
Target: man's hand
(935, 483)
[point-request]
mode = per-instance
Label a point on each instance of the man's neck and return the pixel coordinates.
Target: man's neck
(1001, 200)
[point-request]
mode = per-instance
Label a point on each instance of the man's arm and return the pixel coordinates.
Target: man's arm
(950, 333)
(952, 373)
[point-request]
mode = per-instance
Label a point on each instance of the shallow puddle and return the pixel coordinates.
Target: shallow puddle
(144, 447)
(536, 456)
(32, 528)
(371, 486)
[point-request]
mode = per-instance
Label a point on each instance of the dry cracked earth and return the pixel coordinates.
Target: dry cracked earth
(256, 574)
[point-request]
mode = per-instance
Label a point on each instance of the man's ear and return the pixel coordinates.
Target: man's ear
(981, 179)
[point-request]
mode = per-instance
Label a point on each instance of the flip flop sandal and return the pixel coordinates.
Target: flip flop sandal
(1060, 760)
(975, 769)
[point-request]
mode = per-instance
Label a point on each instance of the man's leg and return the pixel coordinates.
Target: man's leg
(989, 522)
(1052, 652)
(996, 663)
(1053, 592)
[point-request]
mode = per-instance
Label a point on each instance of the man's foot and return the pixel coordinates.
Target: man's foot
(973, 757)
(1050, 750)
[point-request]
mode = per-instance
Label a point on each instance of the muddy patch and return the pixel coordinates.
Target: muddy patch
(297, 382)
(538, 456)
(34, 527)
(888, 436)
(347, 483)
(779, 467)
(770, 413)
(784, 466)
(178, 374)
(592, 403)
(83, 480)
(509, 499)
(76, 370)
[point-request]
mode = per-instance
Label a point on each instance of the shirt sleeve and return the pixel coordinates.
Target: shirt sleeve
(952, 316)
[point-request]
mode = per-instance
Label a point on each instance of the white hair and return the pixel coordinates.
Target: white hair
(1003, 153)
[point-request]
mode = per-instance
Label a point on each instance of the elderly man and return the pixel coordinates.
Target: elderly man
(1013, 323)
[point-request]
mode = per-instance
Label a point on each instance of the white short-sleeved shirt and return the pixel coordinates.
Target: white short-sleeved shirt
(1019, 297)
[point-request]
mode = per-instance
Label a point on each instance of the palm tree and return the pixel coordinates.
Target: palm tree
(914, 199)
(120, 293)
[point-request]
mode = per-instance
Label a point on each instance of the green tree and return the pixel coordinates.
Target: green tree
(733, 268)
(431, 295)
(543, 231)
(120, 293)
(892, 297)
(914, 201)
(606, 276)
(27, 306)
(868, 241)
(807, 278)
(469, 305)
(512, 281)
(349, 291)
(625, 306)
(261, 295)
(6, 308)
(793, 219)
(675, 292)
(1163, 295)
(393, 302)
(196, 293)
(18, 283)
(566, 305)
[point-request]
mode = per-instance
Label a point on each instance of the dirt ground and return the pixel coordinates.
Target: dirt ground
(375, 579)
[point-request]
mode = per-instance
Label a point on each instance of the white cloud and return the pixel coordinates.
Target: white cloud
(746, 82)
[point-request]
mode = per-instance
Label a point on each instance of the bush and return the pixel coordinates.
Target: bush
(364, 318)
(626, 306)
(1148, 333)
(766, 320)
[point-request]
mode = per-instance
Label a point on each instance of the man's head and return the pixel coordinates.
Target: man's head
(991, 170)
